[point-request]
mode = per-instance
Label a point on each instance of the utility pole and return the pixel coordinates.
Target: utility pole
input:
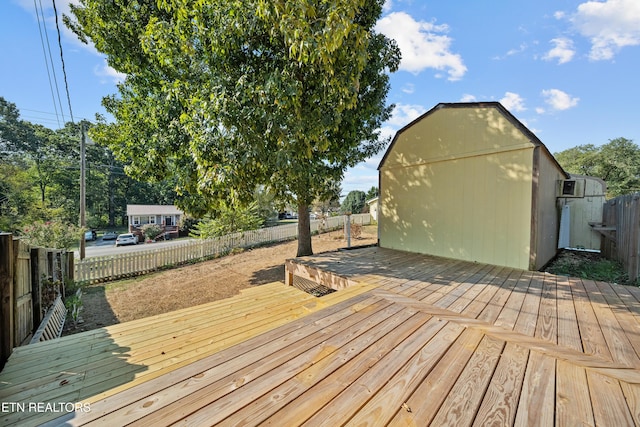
(83, 222)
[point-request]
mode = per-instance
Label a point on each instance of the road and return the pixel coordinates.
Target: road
(108, 247)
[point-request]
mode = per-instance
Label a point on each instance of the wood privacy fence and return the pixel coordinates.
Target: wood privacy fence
(621, 232)
(27, 288)
(105, 268)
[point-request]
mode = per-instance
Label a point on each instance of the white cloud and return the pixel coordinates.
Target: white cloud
(512, 52)
(563, 50)
(610, 26)
(559, 100)
(108, 74)
(423, 45)
(409, 88)
(355, 179)
(404, 114)
(513, 102)
(468, 98)
(559, 14)
(387, 6)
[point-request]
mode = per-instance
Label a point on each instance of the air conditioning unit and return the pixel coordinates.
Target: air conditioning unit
(570, 188)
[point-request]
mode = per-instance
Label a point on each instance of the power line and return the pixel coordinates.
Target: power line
(35, 4)
(64, 71)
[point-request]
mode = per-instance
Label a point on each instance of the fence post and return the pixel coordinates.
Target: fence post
(6, 297)
(70, 266)
(36, 287)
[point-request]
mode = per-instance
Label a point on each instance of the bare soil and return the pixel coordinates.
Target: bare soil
(187, 286)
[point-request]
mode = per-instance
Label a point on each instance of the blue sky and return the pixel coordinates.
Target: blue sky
(566, 69)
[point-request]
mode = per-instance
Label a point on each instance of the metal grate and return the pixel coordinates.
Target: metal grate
(311, 287)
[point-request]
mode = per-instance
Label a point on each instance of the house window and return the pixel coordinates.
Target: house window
(152, 219)
(136, 220)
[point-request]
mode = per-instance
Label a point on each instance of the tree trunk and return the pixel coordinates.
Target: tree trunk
(304, 231)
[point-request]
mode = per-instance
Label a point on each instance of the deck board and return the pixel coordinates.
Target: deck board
(407, 340)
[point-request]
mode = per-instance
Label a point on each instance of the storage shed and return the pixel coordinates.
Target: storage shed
(471, 182)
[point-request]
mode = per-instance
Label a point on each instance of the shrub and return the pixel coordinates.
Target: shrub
(151, 231)
(52, 234)
(356, 231)
(228, 219)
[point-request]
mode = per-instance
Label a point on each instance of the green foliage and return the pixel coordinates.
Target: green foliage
(74, 306)
(50, 291)
(265, 204)
(589, 266)
(39, 176)
(372, 193)
(229, 219)
(151, 231)
(330, 199)
(52, 234)
(617, 163)
(225, 96)
(354, 202)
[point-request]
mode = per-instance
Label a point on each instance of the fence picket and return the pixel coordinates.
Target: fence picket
(105, 268)
(623, 244)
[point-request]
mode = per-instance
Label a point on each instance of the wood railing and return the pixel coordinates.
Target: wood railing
(113, 267)
(30, 280)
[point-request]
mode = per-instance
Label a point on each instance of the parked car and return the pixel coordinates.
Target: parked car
(126, 239)
(90, 235)
(110, 235)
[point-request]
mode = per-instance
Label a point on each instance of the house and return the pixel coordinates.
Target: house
(471, 182)
(373, 207)
(166, 216)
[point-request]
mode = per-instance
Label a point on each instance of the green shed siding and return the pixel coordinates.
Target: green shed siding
(458, 183)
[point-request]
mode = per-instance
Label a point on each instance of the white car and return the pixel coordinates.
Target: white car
(127, 239)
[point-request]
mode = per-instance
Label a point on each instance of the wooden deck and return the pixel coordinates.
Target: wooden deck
(91, 366)
(412, 340)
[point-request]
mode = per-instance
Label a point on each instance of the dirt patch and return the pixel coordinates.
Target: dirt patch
(187, 286)
(589, 265)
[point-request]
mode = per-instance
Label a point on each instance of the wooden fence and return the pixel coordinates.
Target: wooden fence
(113, 267)
(621, 232)
(24, 296)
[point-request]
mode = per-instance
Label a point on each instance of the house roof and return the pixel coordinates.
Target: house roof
(510, 117)
(153, 210)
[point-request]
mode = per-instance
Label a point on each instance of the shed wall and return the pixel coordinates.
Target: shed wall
(546, 224)
(458, 184)
(585, 210)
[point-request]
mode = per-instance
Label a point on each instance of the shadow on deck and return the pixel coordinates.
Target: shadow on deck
(407, 340)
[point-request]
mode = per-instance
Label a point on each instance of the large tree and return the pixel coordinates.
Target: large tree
(617, 163)
(354, 202)
(231, 94)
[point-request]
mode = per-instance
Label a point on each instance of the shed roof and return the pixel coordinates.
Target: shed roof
(153, 210)
(510, 117)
